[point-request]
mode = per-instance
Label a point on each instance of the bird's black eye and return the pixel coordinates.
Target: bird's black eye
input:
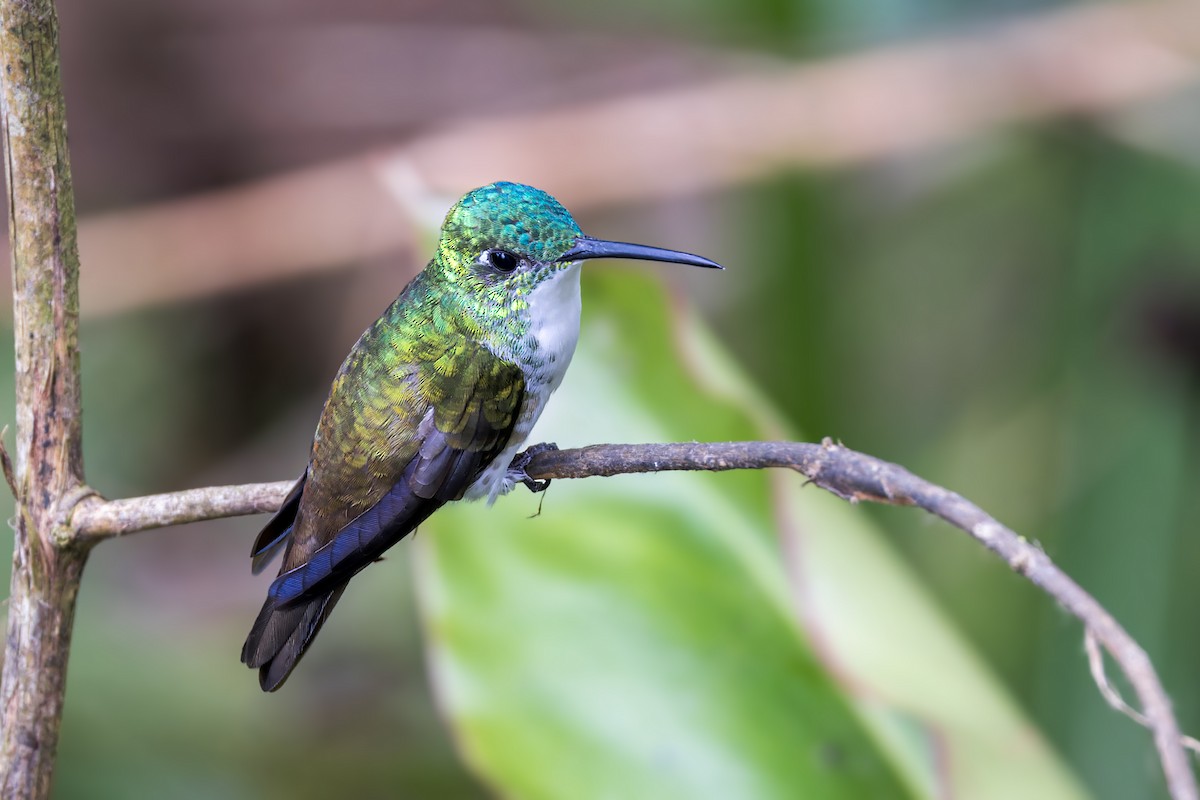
(501, 260)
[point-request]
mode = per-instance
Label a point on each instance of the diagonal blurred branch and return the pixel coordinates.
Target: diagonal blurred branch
(1091, 59)
(335, 77)
(850, 475)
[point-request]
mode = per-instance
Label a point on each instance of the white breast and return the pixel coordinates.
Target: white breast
(554, 308)
(554, 322)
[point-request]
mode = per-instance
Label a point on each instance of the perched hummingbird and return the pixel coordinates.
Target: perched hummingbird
(432, 403)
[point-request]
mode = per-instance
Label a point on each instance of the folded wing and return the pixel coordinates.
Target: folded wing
(383, 460)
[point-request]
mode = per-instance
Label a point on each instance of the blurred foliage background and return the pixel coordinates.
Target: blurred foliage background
(1011, 310)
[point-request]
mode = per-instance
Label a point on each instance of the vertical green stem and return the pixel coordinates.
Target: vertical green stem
(49, 466)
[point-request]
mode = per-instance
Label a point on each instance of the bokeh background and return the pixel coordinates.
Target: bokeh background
(962, 236)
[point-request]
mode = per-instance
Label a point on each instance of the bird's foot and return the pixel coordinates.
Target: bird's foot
(516, 470)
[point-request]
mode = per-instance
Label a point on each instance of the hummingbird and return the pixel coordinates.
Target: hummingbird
(432, 403)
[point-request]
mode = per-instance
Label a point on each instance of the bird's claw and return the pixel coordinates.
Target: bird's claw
(516, 470)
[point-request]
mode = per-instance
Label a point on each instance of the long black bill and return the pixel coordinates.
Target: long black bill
(587, 247)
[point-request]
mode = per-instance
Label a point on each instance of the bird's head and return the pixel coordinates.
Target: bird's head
(509, 237)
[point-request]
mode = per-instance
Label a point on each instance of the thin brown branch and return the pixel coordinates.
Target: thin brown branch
(850, 475)
(855, 477)
(851, 109)
(95, 518)
(49, 461)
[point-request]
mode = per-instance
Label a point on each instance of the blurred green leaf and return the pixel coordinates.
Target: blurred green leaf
(693, 635)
